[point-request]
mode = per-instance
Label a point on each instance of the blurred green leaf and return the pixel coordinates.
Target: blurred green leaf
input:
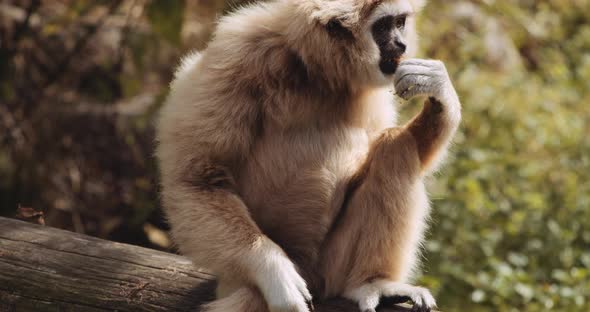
(166, 19)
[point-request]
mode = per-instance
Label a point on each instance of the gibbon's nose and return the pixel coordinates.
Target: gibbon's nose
(399, 45)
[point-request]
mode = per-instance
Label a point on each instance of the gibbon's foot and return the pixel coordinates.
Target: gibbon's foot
(369, 295)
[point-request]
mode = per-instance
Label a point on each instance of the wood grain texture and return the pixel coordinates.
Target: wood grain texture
(46, 269)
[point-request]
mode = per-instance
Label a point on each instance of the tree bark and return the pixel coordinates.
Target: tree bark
(47, 269)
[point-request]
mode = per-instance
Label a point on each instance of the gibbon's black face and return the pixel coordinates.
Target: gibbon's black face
(388, 33)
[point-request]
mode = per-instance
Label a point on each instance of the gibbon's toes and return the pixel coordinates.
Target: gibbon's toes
(393, 300)
(421, 308)
(395, 292)
(417, 308)
(423, 301)
(383, 293)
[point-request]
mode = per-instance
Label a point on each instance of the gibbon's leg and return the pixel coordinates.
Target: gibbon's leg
(212, 226)
(377, 236)
(379, 231)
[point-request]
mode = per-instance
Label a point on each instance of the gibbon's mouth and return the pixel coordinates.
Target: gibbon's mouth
(389, 66)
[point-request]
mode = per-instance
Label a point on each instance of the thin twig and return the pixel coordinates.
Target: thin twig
(24, 26)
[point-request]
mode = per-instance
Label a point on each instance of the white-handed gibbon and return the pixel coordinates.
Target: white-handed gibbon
(283, 169)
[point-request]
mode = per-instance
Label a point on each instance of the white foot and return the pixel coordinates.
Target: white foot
(369, 295)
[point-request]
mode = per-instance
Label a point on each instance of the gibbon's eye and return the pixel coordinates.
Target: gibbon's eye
(400, 22)
(336, 30)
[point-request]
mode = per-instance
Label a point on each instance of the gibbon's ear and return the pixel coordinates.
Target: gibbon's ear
(338, 31)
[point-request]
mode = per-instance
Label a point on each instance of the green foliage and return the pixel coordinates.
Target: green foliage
(166, 19)
(511, 226)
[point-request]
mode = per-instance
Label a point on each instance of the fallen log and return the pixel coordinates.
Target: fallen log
(47, 269)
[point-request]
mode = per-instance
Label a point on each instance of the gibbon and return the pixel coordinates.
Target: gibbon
(283, 169)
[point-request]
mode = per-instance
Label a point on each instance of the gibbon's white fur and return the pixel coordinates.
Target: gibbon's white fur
(282, 166)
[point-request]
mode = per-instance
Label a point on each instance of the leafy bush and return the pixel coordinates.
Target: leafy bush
(511, 226)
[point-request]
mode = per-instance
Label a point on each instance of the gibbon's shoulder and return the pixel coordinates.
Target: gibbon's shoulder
(187, 62)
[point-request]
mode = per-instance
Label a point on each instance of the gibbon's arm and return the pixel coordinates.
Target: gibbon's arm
(400, 156)
(420, 145)
(384, 193)
(434, 127)
(209, 221)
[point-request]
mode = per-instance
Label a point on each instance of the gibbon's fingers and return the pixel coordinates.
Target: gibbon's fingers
(420, 62)
(278, 280)
(412, 70)
(413, 85)
(422, 77)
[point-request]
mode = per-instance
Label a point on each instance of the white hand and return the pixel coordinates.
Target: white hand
(276, 277)
(415, 77)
